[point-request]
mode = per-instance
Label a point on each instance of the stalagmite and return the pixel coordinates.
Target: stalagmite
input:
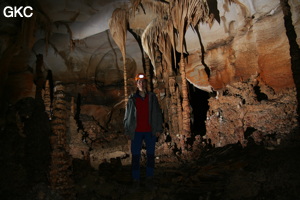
(47, 99)
(61, 161)
(225, 73)
(186, 111)
(184, 13)
(173, 117)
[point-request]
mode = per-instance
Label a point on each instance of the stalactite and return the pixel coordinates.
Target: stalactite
(118, 26)
(159, 7)
(158, 69)
(71, 41)
(61, 162)
(160, 34)
(158, 62)
(165, 45)
(185, 13)
(149, 38)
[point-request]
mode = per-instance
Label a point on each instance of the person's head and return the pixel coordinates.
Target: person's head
(141, 81)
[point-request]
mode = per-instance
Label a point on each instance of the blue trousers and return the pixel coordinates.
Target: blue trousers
(136, 147)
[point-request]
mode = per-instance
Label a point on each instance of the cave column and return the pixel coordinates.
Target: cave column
(148, 71)
(173, 117)
(61, 161)
(186, 115)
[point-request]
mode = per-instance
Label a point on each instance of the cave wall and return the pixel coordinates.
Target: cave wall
(241, 57)
(62, 90)
(294, 6)
(250, 69)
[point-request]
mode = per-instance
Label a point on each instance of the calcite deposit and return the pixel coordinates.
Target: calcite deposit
(226, 72)
(245, 106)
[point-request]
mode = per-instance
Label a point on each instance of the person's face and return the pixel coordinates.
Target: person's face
(141, 84)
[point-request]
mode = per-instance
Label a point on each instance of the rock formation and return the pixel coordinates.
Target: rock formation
(224, 72)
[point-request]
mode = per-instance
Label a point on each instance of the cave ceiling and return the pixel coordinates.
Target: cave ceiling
(239, 52)
(76, 43)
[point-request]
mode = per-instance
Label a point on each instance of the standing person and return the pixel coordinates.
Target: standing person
(142, 121)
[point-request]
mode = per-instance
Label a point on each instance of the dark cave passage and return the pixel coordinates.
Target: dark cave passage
(199, 104)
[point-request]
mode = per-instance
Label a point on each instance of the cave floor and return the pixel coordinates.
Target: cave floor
(230, 172)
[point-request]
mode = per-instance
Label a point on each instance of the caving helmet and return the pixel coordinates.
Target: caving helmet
(140, 76)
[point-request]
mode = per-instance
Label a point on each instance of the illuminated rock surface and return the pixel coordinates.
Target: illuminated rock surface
(62, 100)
